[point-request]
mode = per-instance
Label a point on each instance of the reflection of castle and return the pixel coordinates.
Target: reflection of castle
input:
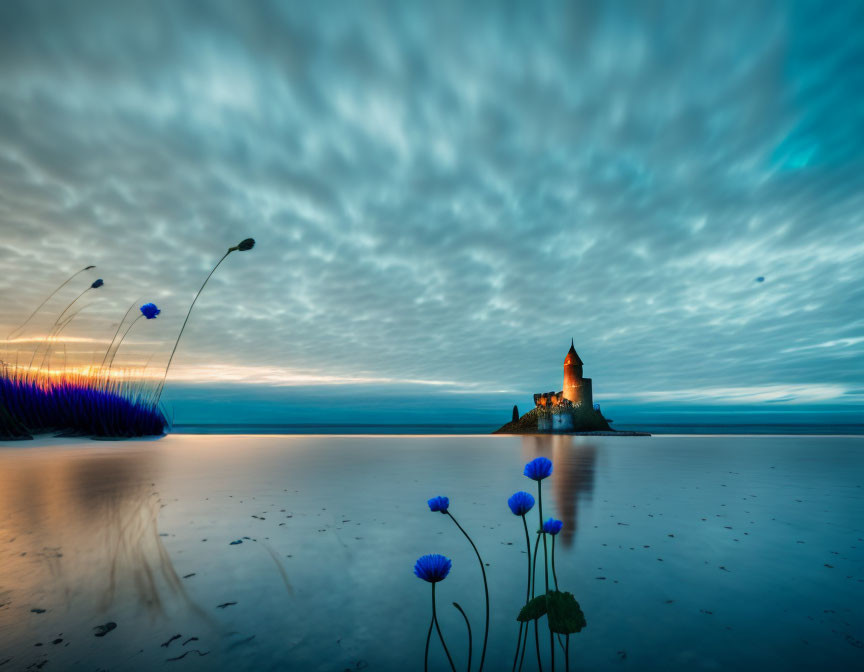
(573, 478)
(577, 390)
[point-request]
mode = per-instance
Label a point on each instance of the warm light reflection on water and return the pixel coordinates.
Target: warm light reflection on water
(575, 463)
(295, 552)
(86, 530)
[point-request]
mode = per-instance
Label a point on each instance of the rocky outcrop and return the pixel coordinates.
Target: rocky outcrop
(578, 421)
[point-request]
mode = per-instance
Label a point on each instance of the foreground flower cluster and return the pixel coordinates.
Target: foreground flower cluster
(563, 613)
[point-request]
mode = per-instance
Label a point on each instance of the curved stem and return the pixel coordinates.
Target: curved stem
(527, 591)
(545, 567)
(428, 639)
(537, 643)
(518, 645)
(534, 573)
(524, 647)
(470, 639)
(528, 547)
(485, 588)
(180, 335)
(117, 349)
(536, 626)
(438, 628)
(554, 574)
(119, 327)
(53, 326)
(555, 577)
(527, 626)
(48, 298)
(46, 358)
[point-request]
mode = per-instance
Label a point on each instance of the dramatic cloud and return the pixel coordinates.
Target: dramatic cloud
(445, 194)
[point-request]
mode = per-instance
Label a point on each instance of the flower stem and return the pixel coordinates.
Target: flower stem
(567, 654)
(527, 591)
(53, 327)
(470, 639)
(428, 638)
(46, 358)
(20, 327)
(555, 577)
(180, 335)
(524, 647)
(537, 643)
(119, 327)
(122, 338)
(438, 628)
(554, 574)
(518, 645)
(545, 569)
(536, 626)
(485, 588)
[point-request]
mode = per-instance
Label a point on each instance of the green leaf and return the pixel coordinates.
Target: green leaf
(565, 615)
(533, 610)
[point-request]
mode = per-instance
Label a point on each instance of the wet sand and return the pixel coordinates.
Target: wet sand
(295, 552)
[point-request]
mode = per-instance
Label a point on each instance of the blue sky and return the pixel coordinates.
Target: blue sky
(443, 195)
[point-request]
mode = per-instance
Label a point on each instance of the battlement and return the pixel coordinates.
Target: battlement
(548, 399)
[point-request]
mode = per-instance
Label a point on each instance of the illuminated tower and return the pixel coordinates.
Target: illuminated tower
(576, 388)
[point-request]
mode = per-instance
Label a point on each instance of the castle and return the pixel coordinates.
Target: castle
(577, 390)
(556, 411)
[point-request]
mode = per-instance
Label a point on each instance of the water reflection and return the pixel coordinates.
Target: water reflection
(573, 481)
(82, 534)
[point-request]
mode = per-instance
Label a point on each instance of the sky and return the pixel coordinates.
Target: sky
(443, 195)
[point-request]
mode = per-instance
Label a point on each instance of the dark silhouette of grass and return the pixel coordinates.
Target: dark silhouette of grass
(35, 401)
(77, 405)
(10, 428)
(95, 403)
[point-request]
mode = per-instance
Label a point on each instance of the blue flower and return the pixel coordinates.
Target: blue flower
(552, 526)
(538, 468)
(97, 284)
(439, 504)
(150, 311)
(521, 503)
(432, 568)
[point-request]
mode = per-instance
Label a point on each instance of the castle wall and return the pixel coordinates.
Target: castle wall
(555, 422)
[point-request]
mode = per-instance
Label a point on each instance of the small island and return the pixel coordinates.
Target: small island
(569, 411)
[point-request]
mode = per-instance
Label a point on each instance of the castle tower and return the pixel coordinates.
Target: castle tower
(576, 388)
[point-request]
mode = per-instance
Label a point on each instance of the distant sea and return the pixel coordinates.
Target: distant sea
(420, 429)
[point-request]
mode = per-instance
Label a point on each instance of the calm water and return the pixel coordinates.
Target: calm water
(686, 553)
(824, 428)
